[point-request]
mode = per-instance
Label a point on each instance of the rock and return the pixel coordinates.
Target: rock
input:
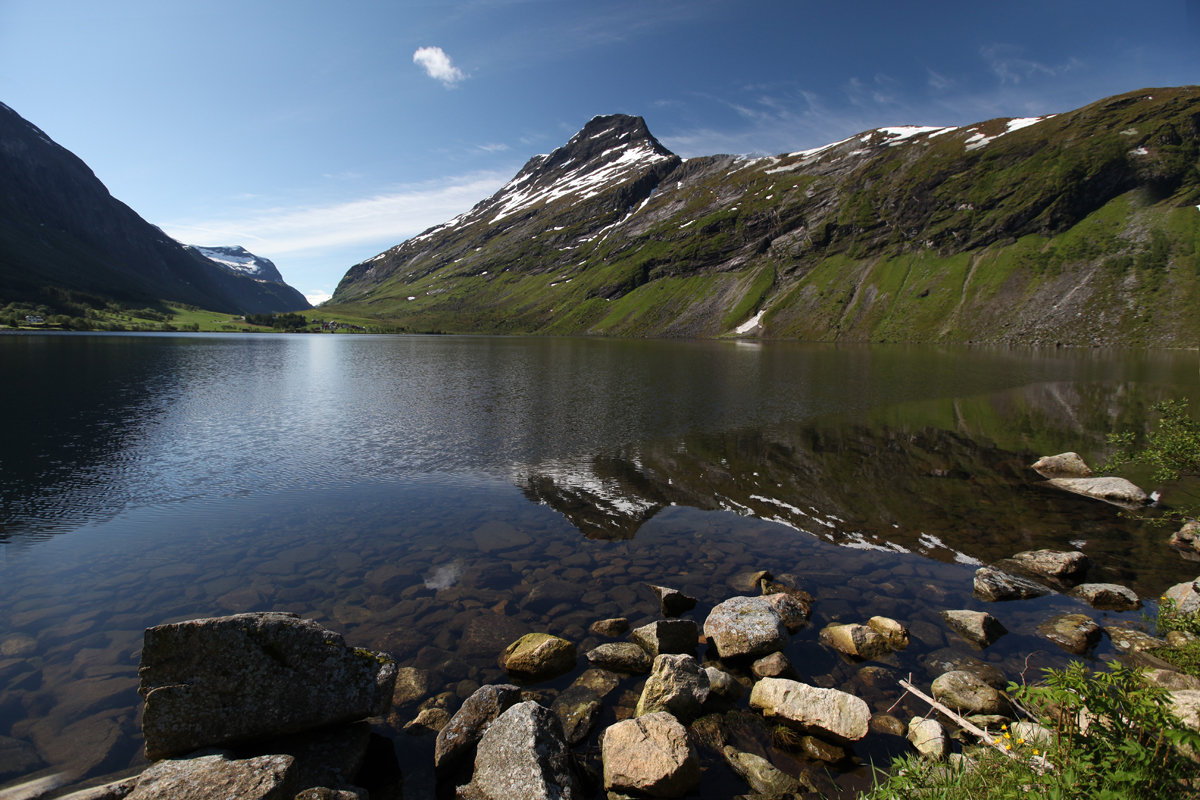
(1107, 596)
(792, 611)
(209, 776)
(412, 684)
(624, 657)
(579, 705)
(994, 584)
(1127, 640)
(825, 711)
(891, 630)
(947, 660)
(1185, 596)
(677, 685)
(1117, 491)
(672, 601)
(745, 626)
(978, 627)
(1031, 732)
(495, 536)
(523, 755)
(966, 692)
(1187, 537)
(1171, 680)
(538, 657)
(763, 776)
(667, 636)
(1181, 638)
(929, 737)
(1063, 465)
(768, 586)
(17, 645)
(650, 755)
(17, 758)
(775, 665)
(1185, 704)
(1075, 633)
(1064, 567)
(853, 639)
(232, 679)
(611, 628)
(428, 720)
(116, 790)
(886, 723)
(723, 684)
(458, 737)
(325, 793)
(821, 750)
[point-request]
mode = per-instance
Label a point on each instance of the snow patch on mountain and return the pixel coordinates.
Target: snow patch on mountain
(238, 260)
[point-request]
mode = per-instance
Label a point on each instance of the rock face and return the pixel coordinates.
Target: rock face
(539, 657)
(994, 584)
(829, 711)
(230, 679)
(966, 692)
(650, 756)
(745, 626)
(458, 737)
(977, 627)
(677, 685)
(1107, 596)
(1075, 633)
(523, 755)
(1114, 490)
(1063, 465)
(206, 777)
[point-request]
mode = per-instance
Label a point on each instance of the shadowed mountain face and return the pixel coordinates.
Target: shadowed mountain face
(1079, 227)
(60, 229)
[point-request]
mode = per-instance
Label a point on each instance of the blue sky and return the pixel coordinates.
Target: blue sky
(320, 133)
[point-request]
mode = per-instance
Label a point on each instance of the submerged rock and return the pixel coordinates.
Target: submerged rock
(650, 755)
(523, 755)
(579, 705)
(826, 711)
(612, 628)
(793, 611)
(853, 639)
(745, 626)
(978, 627)
(232, 679)
(764, 777)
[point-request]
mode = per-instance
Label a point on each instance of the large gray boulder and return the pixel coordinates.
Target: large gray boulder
(677, 685)
(650, 756)
(210, 682)
(745, 626)
(209, 776)
(824, 711)
(523, 755)
(458, 738)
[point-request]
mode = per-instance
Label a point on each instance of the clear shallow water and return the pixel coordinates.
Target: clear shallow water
(438, 496)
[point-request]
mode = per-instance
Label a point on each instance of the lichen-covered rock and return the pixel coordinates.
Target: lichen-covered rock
(1063, 465)
(672, 601)
(209, 776)
(854, 639)
(538, 657)
(650, 755)
(929, 737)
(978, 627)
(1075, 633)
(523, 755)
(231, 679)
(827, 711)
(966, 692)
(1127, 640)
(1107, 596)
(624, 657)
(995, 584)
(667, 636)
(459, 736)
(677, 685)
(745, 626)
(1113, 490)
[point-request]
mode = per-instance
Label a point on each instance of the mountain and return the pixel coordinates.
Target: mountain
(241, 261)
(63, 234)
(1080, 228)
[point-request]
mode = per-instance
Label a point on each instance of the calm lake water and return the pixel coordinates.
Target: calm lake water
(437, 497)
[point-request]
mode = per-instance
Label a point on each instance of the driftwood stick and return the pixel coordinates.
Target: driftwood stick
(1039, 765)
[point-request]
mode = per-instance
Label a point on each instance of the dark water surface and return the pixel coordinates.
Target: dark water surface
(436, 497)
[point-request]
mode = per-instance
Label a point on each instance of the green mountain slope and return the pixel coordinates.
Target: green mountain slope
(1077, 228)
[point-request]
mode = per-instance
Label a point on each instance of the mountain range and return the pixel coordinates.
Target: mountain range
(64, 238)
(1075, 228)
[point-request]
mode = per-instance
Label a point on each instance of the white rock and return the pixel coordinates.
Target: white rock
(828, 711)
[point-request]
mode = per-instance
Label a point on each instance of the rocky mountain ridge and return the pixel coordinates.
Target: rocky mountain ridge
(1079, 227)
(63, 234)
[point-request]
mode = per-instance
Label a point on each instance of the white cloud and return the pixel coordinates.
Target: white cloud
(391, 217)
(493, 148)
(438, 66)
(317, 297)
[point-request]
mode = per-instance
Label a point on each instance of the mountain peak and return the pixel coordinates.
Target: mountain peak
(241, 261)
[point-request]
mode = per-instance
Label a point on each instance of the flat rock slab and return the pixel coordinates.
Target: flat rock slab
(828, 711)
(210, 682)
(212, 776)
(1113, 490)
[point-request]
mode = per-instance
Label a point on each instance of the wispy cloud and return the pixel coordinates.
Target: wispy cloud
(385, 217)
(438, 65)
(1008, 63)
(493, 148)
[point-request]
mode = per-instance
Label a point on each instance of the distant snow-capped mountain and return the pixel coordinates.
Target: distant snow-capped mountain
(239, 260)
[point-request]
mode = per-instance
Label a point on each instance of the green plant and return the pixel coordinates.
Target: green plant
(1112, 736)
(1171, 450)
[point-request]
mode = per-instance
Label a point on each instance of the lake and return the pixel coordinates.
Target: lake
(437, 497)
